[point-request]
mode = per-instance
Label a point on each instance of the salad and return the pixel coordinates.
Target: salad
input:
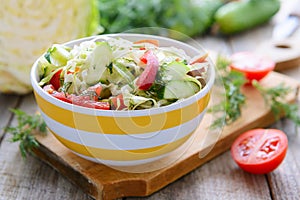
(117, 74)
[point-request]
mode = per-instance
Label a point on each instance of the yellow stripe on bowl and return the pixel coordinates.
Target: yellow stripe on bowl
(122, 155)
(122, 125)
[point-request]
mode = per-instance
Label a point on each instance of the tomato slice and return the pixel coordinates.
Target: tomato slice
(59, 95)
(145, 57)
(81, 100)
(49, 89)
(93, 92)
(55, 80)
(260, 151)
(147, 78)
(101, 105)
(118, 102)
(96, 88)
(85, 101)
(252, 65)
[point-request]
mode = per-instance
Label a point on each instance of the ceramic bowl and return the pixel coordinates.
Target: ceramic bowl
(124, 138)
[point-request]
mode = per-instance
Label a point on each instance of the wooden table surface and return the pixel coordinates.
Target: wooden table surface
(218, 179)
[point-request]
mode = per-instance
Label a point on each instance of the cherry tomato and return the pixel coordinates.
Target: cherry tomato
(252, 65)
(147, 78)
(260, 151)
(55, 80)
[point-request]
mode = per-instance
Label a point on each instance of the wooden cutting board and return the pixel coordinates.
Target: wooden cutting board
(285, 53)
(103, 182)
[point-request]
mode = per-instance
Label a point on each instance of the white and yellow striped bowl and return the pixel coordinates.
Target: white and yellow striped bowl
(124, 138)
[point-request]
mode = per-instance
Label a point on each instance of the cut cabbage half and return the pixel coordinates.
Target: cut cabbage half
(30, 27)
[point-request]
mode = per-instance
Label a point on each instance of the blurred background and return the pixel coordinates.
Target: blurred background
(29, 27)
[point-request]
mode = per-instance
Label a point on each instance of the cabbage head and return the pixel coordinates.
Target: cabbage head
(29, 27)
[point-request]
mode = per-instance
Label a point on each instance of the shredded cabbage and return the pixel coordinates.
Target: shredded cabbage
(29, 27)
(110, 71)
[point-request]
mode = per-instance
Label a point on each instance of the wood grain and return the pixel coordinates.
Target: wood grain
(22, 178)
(103, 182)
(207, 182)
(283, 182)
(285, 53)
(7, 101)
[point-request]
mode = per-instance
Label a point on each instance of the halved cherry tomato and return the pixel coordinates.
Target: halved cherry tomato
(254, 67)
(118, 102)
(147, 78)
(55, 80)
(260, 151)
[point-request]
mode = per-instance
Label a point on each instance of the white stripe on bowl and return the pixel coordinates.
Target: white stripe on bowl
(175, 155)
(123, 142)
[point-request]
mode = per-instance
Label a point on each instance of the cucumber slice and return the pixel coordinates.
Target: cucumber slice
(120, 74)
(45, 68)
(96, 63)
(48, 77)
(179, 89)
(192, 79)
(176, 70)
(123, 72)
(58, 55)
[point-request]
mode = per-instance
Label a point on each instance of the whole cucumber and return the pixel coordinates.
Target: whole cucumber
(241, 15)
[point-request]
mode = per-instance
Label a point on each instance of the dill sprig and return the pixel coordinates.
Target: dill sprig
(231, 106)
(275, 98)
(234, 99)
(24, 132)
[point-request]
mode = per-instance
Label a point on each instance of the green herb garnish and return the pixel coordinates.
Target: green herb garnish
(234, 98)
(110, 68)
(47, 56)
(275, 98)
(25, 131)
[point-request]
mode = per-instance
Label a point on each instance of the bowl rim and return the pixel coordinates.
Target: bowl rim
(174, 106)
